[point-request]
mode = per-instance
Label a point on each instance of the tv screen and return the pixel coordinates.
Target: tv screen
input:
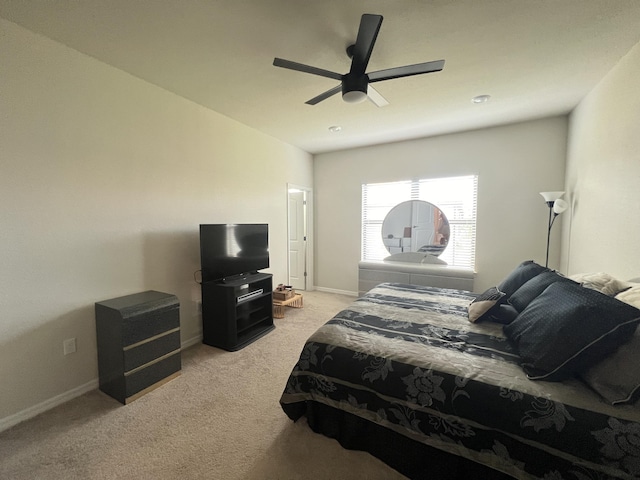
(227, 250)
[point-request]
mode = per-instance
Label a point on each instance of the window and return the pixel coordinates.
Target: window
(455, 196)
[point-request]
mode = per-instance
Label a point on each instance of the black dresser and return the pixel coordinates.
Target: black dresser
(138, 343)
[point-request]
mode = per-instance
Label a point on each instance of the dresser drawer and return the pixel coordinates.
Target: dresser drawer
(148, 350)
(138, 380)
(142, 327)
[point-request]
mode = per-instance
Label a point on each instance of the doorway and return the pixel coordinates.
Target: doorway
(298, 236)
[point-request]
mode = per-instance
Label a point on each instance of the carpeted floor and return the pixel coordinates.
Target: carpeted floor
(219, 420)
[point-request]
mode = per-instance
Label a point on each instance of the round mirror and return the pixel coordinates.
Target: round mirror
(415, 227)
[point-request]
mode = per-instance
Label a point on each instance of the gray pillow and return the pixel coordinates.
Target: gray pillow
(617, 377)
(567, 329)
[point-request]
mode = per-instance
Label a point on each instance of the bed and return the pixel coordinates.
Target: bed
(443, 383)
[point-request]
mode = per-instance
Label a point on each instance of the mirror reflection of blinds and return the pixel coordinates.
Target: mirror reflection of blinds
(456, 196)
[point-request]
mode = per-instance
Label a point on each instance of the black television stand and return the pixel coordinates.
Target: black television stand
(241, 277)
(237, 310)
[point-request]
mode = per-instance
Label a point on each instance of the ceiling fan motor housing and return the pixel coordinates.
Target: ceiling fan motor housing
(354, 87)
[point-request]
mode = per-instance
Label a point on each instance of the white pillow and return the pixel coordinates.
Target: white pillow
(630, 296)
(411, 257)
(602, 282)
(431, 259)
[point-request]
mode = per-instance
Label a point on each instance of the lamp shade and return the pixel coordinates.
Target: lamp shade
(560, 206)
(551, 196)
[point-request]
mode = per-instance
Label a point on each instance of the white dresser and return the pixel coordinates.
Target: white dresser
(372, 273)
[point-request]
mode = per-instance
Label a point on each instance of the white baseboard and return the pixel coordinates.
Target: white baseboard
(28, 413)
(340, 292)
(192, 341)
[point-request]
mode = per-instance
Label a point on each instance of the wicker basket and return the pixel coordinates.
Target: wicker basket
(279, 305)
(283, 294)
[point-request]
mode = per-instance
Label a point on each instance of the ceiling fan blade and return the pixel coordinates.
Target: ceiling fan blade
(375, 97)
(406, 71)
(324, 96)
(300, 67)
(366, 39)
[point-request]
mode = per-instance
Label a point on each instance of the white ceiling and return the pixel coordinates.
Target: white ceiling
(534, 57)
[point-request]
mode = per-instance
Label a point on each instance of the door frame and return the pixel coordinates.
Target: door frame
(308, 211)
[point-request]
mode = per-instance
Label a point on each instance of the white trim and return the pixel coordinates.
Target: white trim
(333, 290)
(191, 342)
(27, 413)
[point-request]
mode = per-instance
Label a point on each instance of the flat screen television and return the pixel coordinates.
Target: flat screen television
(231, 250)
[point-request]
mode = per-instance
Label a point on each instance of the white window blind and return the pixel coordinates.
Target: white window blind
(455, 196)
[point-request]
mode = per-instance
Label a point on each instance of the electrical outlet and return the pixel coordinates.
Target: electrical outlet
(69, 346)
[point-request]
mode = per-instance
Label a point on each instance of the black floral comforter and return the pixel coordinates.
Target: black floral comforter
(407, 358)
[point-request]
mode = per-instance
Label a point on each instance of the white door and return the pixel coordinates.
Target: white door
(423, 225)
(297, 239)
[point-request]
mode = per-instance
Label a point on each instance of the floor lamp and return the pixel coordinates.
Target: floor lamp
(556, 206)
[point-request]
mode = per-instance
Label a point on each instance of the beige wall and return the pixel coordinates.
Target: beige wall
(603, 176)
(514, 163)
(104, 180)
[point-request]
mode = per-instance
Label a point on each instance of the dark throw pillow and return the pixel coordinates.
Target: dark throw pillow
(534, 287)
(568, 329)
(483, 303)
(519, 276)
(504, 313)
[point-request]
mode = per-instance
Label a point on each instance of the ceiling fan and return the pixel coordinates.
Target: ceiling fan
(355, 84)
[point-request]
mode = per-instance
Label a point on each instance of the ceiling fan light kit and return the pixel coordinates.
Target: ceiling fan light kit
(354, 85)
(481, 99)
(354, 88)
